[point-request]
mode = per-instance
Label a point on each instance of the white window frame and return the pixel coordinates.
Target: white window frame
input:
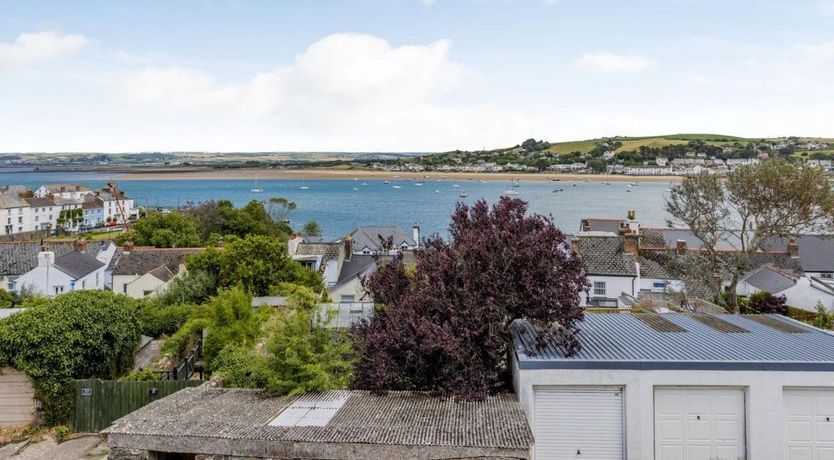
(599, 286)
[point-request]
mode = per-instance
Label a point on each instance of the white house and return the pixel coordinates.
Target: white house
(679, 386)
(368, 240)
(143, 272)
(74, 191)
(44, 213)
(800, 291)
(15, 215)
(116, 206)
(74, 271)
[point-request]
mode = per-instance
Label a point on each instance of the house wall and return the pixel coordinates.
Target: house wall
(352, 287)
(42, 280)
(802, 295)
(646, 284)
(614, 287)
(142, 284)
(16, 220)
(17, 398)
(763, 394)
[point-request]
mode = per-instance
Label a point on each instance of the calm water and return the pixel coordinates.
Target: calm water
(338, 208)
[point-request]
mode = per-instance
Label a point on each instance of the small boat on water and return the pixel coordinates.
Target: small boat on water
(556, 179)
(256, 189)
(418, 183)
(455, 185)
(463, 194)
(398, 186)
(355, 189)
(634, 184)
(304, 186)
(608, 183)
(558, 190)
(510, 192)
(364, 183)
(386, 182)
(628, 190)
(437, 191)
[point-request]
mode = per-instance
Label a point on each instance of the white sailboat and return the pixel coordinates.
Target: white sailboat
(304, 186)
(256, 189)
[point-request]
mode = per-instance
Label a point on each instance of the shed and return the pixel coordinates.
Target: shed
(222, 423)
(679, 386)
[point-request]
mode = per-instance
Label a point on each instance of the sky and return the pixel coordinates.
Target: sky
(406, 75)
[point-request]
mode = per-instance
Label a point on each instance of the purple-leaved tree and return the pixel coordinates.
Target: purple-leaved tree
(443, 324)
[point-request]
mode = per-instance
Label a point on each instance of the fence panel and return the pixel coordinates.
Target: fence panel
(98, 403)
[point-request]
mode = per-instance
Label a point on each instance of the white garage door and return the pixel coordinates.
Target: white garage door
(584, 423)
(698, 423)
(809, 424)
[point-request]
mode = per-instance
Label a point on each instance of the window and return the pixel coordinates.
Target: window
(83, 284)
(146, 293)
(347, 298)
(58, 289)
(124, 288)
(20, 220)
(36, 218)
(826, 275)
(658, 285)
(599, 288)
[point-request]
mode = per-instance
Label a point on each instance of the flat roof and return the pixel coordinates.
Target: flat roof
(650, 341)
(241, 422)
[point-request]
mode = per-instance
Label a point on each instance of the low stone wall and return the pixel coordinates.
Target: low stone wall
(17, 398)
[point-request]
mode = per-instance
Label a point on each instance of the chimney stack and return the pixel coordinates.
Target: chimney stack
(574, 244)
(631, 244)
(793, 248)
(633, 225)
(348, 247)
(292, 244)
(128, 246)
(416, 234)
(46, 258)
(585, 226)
(680, 247)
(80, 245)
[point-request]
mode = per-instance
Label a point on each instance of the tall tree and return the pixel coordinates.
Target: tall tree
(746, 210)
(444, 324)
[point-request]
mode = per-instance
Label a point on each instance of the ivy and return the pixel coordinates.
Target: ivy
(82, 334)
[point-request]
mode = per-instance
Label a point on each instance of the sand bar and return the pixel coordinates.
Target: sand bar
(324, 174)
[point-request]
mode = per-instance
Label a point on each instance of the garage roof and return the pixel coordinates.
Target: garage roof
(628, 341)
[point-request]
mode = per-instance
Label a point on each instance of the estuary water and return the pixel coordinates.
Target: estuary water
(341, 205)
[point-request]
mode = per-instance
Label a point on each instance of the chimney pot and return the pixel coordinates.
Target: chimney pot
(680, 247)
(793, 248)
(348, 246)
(128, 246)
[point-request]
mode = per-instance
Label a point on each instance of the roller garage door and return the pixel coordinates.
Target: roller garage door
(584, 423)
(809, 424)
(699, 423)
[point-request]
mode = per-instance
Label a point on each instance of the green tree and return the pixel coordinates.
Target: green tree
(231, 321)
(81, 334)
(311, 228)
(824, 319)
(163, 230)
(301, 354)
(256, 263)
(279, 208)
(753, 205)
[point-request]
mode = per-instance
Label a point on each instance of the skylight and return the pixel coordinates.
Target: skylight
(311, 410)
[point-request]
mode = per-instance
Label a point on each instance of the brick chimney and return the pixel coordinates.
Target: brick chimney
(348, 241)
(793, 248)
(631, 244)
(574, 244)
(680, 247)
(128, 246)
(80, 245)
(585, 226)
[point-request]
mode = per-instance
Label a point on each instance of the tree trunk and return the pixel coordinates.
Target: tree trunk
(733, 294)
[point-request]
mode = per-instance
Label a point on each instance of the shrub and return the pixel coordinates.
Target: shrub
(142, 375)
(158, 319)
(824, 319)
(175, 345)
(62, 432)
(82, 334)
(240, 367)
(230, 321)
(765, 302)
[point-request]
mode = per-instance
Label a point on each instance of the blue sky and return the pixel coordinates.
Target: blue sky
(406, 75)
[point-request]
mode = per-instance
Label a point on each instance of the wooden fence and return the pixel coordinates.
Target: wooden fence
(17, 398)
(98, 403)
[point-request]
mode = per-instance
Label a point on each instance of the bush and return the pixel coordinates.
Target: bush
(240, 367)
(765, 302)
(62, 432)
(175, 345)
(142, 375)
(82, 334)
(158, 319)
(231, 321)
(195, 287)
(824, 319)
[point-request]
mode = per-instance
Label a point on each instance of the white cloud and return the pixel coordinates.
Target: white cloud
(613, 62)
(819, 51)
(36, 47)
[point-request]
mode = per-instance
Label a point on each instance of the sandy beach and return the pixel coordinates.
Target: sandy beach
(324, 174)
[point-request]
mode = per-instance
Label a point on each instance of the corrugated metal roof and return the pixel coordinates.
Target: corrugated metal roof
(622, 341)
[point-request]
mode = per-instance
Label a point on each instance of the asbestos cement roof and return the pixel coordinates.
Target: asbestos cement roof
(411, 419)
(649, 341)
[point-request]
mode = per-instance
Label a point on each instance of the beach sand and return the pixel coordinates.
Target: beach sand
(324, 174)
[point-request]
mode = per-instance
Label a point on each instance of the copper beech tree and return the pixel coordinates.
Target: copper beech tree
(443, 325)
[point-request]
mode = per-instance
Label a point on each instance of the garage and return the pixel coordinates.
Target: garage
(574, 422)
(699, 423)
(809, 424)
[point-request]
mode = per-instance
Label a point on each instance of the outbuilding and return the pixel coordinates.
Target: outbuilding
(218, 424)
(679, 386)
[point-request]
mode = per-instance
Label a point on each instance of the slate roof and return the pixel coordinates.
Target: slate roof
(77, 264)
(604, 255)
(58, 188)
(13, 189)
(356, 266)
(18, 258)
(12, 201)
(39, 202)
(624, 341)
(769, 279)
(144, 260)
(369, 237)
(816, 252)
(395, 419)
